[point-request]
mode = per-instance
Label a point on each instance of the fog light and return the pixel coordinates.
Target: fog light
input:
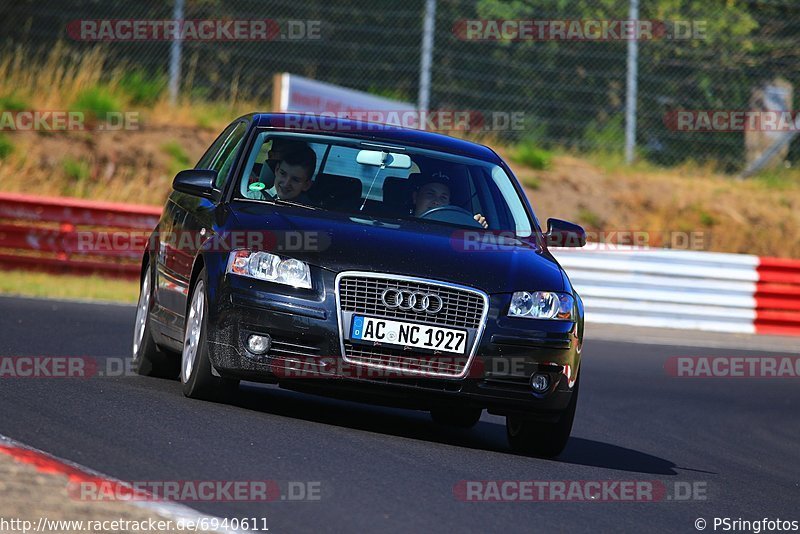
(540, 382)
(258, 344)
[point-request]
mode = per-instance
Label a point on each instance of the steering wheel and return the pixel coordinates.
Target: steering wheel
(451, 214)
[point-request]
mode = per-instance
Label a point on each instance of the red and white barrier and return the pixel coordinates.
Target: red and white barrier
(686, 289)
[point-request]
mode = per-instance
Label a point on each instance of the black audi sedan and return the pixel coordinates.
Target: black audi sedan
(366, 262)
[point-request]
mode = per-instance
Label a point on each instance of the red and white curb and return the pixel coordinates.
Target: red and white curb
(777, 296)
(77, 474)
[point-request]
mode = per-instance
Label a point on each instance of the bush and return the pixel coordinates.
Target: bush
(176, 151)
(531, 156)
(141, 89)
(589, 218)
(606, 136)
(531, 182)
(97, 103)
(212, 116)
(13, 103)
(77, 170)
(180, 159)
(6, 146)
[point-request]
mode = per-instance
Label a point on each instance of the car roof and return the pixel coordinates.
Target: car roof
(371, 131)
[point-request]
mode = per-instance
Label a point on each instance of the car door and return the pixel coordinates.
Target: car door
(198, 225)
(190, 218)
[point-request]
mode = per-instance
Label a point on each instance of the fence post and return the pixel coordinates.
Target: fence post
(631, 86)
(426, 57)
(175, 56)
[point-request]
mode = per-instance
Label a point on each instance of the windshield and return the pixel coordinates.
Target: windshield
(357, 177)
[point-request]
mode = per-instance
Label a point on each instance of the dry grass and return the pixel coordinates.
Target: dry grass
(759, 216)
(46, 285)
(131, 166)
(53, 79)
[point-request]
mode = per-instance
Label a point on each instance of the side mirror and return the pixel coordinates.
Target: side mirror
(197, 182)
(564, 234)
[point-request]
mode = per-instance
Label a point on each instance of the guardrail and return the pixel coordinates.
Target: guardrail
(47, 233)
(686, 289)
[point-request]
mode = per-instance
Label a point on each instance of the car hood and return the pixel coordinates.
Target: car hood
(341, 242)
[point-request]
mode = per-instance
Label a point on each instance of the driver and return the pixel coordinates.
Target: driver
(435, 193)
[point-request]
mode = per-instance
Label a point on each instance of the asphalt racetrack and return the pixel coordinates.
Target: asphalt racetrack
(735, 442)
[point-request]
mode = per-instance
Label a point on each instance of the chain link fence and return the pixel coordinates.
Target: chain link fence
(571, 91)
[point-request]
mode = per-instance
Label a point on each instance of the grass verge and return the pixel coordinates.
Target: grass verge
(62, 286)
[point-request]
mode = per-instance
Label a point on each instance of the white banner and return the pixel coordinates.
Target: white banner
(292, 93)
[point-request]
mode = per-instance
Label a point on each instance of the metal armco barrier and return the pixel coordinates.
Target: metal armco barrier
(47, 233)
(686, 289)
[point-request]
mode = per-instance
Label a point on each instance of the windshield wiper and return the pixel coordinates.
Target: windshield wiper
(277, 200)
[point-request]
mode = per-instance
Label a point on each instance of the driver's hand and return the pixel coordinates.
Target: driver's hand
(481, 219)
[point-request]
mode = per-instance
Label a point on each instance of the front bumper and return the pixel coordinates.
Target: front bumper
(306, 353)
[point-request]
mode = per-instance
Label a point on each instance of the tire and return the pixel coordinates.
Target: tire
(546, 440)
(456, 417)
(195, 370)
(147, 358)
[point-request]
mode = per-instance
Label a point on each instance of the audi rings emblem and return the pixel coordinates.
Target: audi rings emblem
(415, 301)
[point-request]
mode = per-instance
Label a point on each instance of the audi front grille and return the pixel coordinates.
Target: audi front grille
(362, 294)
(403, 298)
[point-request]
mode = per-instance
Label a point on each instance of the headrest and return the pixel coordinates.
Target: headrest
(397, 191)
(337, 192)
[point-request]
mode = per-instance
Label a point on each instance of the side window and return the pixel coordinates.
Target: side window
(211, 153)
(256, 168)
(224, 159)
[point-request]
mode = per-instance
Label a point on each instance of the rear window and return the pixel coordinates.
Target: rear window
(341, 161)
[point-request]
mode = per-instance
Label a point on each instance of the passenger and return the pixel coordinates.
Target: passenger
(435, 193)
(293, 173)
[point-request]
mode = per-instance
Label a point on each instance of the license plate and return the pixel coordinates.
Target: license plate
(408, 334)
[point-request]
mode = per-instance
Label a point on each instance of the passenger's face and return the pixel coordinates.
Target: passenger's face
(291, 180)
(429, 196)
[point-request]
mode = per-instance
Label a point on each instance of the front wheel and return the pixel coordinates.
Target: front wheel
(542, 439)
(197, 377)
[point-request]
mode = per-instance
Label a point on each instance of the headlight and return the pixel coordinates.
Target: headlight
(266, 266)
(542, 305)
